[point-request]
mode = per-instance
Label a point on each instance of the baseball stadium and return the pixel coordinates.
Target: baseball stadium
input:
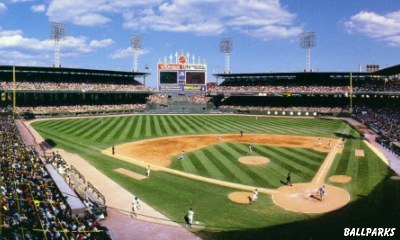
(99, 154)
(97, 132)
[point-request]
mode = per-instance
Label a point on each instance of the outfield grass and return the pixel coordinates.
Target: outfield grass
(173, 195)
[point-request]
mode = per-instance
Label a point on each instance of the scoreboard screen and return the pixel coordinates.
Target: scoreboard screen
(168, 77)
(195, 78)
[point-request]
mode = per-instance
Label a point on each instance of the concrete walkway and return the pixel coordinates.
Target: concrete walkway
(394, 161)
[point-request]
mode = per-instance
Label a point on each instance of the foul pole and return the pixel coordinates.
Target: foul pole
(351, 93)
(14, 92)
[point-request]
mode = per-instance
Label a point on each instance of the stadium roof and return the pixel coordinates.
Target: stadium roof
(76, 73)
(389, 71)
(394, 70)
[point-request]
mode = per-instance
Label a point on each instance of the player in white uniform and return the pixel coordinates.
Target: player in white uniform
(148, 171)
(255, 195)
(190, 217)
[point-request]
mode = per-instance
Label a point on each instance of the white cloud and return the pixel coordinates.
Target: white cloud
(14, 40)
(38, 8)
(101, 43)
(23, 59)
(384, 28)
(89, 12)
(20, 1)
(3, 7)
(201, 17)
(126, 53)
(253, 17)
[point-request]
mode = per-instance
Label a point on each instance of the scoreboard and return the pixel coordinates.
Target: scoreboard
(182, 75)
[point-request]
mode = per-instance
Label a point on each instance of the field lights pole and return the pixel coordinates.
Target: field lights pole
(136, 45)
(225, 47)
(57, 33)
(307, 41)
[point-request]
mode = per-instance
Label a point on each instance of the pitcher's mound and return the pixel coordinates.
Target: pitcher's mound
(340, 179)
(254, 160)
(240, 197)
(303, 198)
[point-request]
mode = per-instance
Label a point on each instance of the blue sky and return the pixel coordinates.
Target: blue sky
(265, 33)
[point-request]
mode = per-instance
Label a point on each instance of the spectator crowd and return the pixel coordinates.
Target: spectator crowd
(286, 109)
(32, 205)
(71, 86)
(386, 120)
(80, 108)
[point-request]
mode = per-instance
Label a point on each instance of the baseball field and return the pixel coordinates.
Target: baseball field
(218, 163)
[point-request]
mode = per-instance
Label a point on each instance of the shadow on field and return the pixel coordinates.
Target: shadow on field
(378, 209)
(49, 143)
(345, 136)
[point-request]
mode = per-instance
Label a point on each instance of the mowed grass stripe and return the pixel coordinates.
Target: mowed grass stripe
(128, 131)
(143, 129)
(182, 125)
(194, 165)
(160, 128)
(187, 164)
(186, 121)
(309, 153)
(119, 129)
(151, 130)
(209, 126)
(282, 164)
(95, 128)
(60, 125)
(69, 128)
(49, 124)
(346, 156)
(309, 163)
(258, 173)
(227, 159)
(196, 124)
(139, 127)
(77, 126)
(214, 125)
(164, 123)
(90, 124)
(103, 130)
(208, 165)
(199, 125)
(239, 125)
(133, 128)
(173, 126)
(146, 127)
(294, 162)
(212, 154)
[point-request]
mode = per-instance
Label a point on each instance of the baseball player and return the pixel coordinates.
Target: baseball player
(250, 150)
(135, 206)
(321, 192)
(182, 155)
(148, 171)
(330, 144)
(289, 179)
(255, 195)
(190, 217)
(319, 142)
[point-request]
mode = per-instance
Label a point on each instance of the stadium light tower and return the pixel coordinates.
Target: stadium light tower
(225, 46)
(136, 45)
(57, 33)
(307, 41)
